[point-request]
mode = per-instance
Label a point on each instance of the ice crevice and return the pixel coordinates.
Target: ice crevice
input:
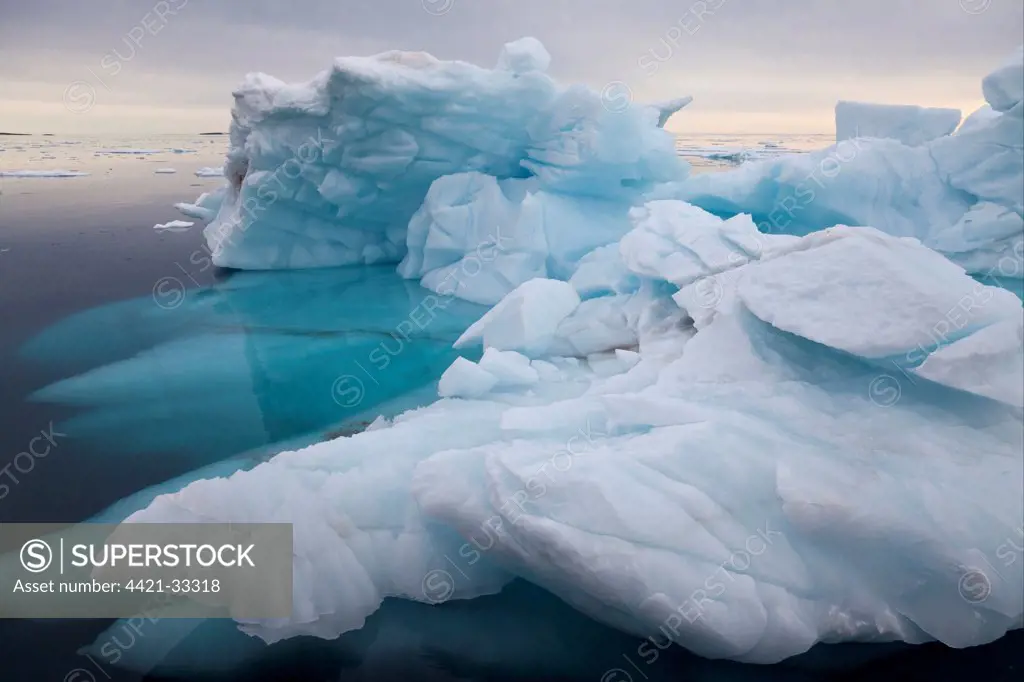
(671, 379)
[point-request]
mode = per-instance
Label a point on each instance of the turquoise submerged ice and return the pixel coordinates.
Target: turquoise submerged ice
(685, 428)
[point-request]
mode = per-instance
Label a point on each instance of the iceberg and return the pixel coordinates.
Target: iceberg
(911, 125)
(781, 441)
(331, 172)
(691, 420)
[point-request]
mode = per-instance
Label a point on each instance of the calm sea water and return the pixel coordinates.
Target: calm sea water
(150, 368)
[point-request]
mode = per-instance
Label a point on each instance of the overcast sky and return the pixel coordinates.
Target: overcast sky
(126, 66)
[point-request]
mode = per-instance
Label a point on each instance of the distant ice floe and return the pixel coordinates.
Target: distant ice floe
(204, 208)
(210, 172)
(165, 171)
(173, 226)
(129, 151)
(735, 154)
(41, 174)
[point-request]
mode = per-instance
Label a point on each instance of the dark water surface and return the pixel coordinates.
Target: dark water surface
(66, 250)
(141, 363)
(144, 364)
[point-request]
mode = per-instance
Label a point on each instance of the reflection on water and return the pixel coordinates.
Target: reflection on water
(256, 359)
(522, 634)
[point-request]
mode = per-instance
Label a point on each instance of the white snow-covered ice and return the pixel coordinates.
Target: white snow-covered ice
(129, 151)
(748, 441)
(911, 125)
(204, 208)
(1004, 87)
(173, 226)
(41, 173)
(207, 172)
(978, 118)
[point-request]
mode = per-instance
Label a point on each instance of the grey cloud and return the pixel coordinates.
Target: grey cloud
(807, 47)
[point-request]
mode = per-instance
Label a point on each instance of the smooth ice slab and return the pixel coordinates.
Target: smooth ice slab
(509, 368)
(465, 379)
(526, 320)
(838, 293)
(911, 125)
(988, 363)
